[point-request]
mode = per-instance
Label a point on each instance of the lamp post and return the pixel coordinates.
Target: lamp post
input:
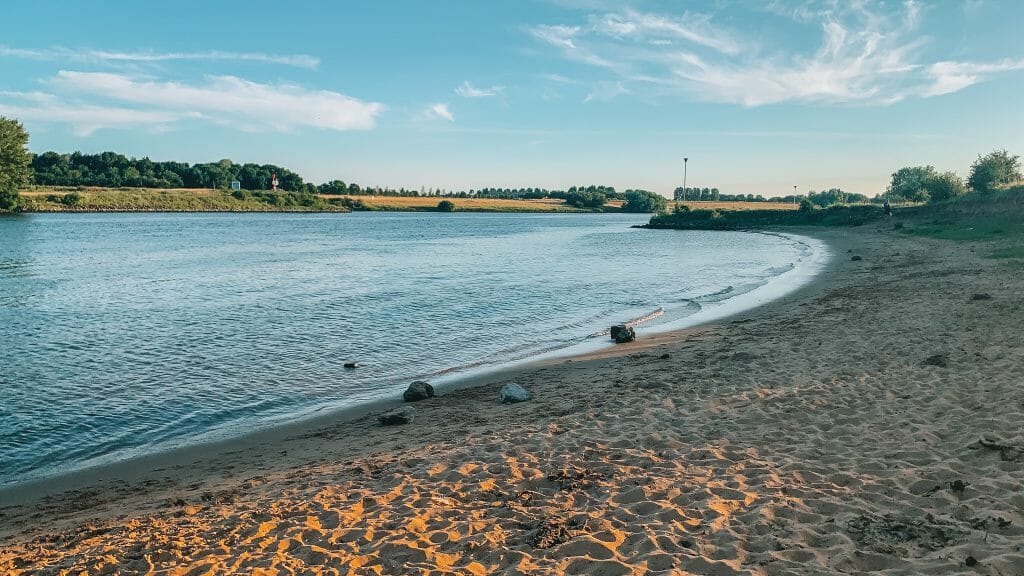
(685, 160)
(794, 193)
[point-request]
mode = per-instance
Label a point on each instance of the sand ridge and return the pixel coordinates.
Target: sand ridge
(872, 424)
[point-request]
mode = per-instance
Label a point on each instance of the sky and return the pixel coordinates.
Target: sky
(463, 94)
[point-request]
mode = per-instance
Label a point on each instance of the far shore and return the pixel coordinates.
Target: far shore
(868, 421)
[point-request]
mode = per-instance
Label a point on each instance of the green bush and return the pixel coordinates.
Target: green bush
(993, 169)
(446, 206)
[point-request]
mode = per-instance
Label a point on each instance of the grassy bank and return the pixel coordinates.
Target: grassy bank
(93, 199)
(995, 220)
(429, 203)
(732, 219)
(88, 199)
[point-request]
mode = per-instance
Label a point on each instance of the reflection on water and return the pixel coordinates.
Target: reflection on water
(127, 332)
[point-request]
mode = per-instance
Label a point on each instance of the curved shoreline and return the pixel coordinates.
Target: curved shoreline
(773, 288)
(147, 467)
(867, 422)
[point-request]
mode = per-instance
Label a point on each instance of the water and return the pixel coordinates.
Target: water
(122, 334)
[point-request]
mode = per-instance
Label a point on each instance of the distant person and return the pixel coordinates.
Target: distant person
(887, 207)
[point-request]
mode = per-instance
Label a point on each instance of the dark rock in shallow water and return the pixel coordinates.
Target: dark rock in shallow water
(856, 258)
(512, 393)
(418, 390)
(622, 333)
(351, 365)
(403, 415)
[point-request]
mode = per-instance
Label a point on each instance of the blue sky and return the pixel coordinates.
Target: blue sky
(460, 94)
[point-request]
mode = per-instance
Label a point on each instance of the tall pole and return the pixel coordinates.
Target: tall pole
(685, 160)
(794, 193)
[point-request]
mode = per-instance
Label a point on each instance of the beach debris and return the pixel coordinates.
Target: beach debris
(886, 533)
(940, 360)
(1007, 452)
(664, 356)
(403, 415)
(958, 486)
(575, 478)
(984, 523)
(418, 390)
(622, 333)
(351, 365)
(856, 258)
(512, 393)
(981, 296)
(552, 531)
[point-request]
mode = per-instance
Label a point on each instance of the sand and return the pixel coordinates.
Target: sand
(873, 421)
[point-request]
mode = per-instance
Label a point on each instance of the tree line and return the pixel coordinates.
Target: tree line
(926, 184)
(20, 168)
(113, 170)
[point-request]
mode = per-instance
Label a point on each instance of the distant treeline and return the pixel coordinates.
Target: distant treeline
(112, 170)
(822, 199)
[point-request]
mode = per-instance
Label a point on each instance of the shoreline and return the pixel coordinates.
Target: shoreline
(845, 427)
(793, 281)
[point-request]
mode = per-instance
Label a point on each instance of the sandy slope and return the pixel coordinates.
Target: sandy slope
(871, 422)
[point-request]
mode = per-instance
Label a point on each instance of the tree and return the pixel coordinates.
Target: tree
(643, 201)
(446, 206)
(910, 184)
(945, 186)
(995, 168)
(15, 163)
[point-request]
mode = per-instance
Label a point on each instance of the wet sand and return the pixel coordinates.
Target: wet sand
(873, 420)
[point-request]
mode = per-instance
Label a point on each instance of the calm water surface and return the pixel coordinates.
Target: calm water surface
(129, 333)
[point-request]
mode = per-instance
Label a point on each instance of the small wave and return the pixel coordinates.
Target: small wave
(632, 323)
(775, 271)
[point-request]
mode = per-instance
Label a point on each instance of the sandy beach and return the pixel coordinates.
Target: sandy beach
(872, 421)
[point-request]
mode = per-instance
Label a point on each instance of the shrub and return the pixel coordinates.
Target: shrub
(995, 168)
(644, 201)
(446, 206)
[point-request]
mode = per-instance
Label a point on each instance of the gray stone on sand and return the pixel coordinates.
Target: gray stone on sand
(403, 415)
(622, 333)
(418, 390)
(511, 393)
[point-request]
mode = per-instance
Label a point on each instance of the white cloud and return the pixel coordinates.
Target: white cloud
(659, 30)
(948, 77)
(231, 101)
(87, 118)
(93, 100)
(868, 54)
(561, 36)
(440, 110)
(467, 90)
(59, 53)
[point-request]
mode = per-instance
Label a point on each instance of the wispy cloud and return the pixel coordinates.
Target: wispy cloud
(604, 91)
(63, 54)
(87, 118)
(467, 90)
(869, 53)
(93, 100)
(440, 110)
(948, 77)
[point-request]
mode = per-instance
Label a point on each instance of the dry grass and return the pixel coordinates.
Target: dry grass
(699, 205)
(468, 204)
